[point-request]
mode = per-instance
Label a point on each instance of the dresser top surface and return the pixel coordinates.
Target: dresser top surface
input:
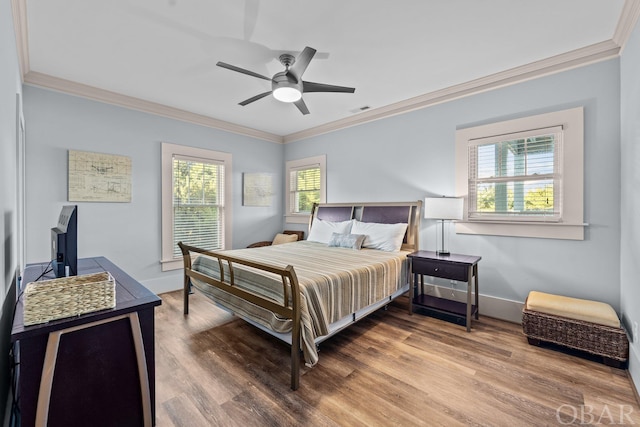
(130, 296)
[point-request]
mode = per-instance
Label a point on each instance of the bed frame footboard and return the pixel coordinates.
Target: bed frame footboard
(290, 289)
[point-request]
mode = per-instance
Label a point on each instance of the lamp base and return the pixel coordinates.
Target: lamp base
(443, 253)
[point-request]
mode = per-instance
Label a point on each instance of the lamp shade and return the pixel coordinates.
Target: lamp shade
(443, 207)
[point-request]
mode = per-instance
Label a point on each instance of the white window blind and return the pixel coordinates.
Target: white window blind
(516, 176)
(198, 203)
(304, 188)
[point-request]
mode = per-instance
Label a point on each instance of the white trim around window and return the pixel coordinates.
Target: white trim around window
(169, 151)
(293, 165)
(567, 222)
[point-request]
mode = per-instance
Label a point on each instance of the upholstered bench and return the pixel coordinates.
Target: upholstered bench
(580, 324)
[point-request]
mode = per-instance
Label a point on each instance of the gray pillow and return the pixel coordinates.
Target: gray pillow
(352, 241)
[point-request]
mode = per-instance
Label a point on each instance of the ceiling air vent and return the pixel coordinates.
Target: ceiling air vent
(359, 110)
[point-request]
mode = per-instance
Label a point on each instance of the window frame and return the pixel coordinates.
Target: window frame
(168, 261)
(570, 225)
(292, 165)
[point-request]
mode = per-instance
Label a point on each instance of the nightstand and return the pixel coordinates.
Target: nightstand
(457, 267)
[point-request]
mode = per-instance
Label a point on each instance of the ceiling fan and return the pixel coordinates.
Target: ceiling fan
(287, 85)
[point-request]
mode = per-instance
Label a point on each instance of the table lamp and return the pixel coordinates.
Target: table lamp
(443, 209)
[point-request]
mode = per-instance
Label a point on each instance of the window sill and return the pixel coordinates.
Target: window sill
(297, 219)
(547, 230)
(520, 222)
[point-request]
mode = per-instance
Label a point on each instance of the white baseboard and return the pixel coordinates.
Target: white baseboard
(634, 367)
(499, 308)
(166, 283)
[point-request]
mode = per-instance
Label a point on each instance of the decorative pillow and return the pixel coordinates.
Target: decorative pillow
(321, 231)
(385, 237)
(284, 238)
(352, 241)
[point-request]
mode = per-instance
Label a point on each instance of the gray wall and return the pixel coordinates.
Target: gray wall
(630, 206)
(410, 156)
(9, 86)
(129, 233)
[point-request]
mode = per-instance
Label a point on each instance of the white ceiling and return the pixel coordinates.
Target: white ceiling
(165, 51)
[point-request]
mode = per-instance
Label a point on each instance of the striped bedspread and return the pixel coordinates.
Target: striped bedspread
(334, 283)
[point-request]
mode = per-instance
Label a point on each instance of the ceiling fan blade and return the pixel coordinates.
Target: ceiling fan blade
(302, 106)
(321, 87)
(302, 62)
(251, 8)
(241, 70)
(254, 98)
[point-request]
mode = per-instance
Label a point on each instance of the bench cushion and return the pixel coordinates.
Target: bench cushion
(573, 308)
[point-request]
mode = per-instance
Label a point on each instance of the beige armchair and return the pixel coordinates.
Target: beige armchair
(280, 239)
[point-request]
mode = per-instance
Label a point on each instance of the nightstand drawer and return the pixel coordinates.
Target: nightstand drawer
(446, 270)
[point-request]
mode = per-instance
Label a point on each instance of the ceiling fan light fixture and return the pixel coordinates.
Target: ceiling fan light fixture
(288, 86)
(287, 94)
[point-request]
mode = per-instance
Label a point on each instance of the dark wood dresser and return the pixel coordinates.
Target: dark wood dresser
(95, 369)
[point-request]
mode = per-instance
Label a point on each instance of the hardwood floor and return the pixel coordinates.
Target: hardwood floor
(388, 369)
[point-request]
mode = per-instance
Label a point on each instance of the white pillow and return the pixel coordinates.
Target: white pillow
(321, 231)
(385, 237)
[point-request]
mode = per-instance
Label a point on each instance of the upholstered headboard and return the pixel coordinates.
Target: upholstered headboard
(384, 213)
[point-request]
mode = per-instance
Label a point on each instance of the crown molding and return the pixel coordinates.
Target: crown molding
(67, 86)
(19, 9)
(576, 58)
(627, 22)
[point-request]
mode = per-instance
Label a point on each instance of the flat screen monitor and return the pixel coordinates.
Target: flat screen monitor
(64, 243)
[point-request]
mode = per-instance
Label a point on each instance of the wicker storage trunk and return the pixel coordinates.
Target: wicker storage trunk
(606, 341)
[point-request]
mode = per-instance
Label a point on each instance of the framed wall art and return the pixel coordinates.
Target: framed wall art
(97, 177)
(257, 189)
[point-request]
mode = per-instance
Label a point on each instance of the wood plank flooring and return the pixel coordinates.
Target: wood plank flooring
(390, 369)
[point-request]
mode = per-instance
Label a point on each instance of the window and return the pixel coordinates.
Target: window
(305, 186)
(195, 200)
(516, 176)
(523, 177)
(198, 203)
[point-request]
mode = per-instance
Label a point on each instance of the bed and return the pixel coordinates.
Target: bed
(353, 262)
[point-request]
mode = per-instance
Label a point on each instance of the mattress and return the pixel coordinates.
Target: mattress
(334, 283)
